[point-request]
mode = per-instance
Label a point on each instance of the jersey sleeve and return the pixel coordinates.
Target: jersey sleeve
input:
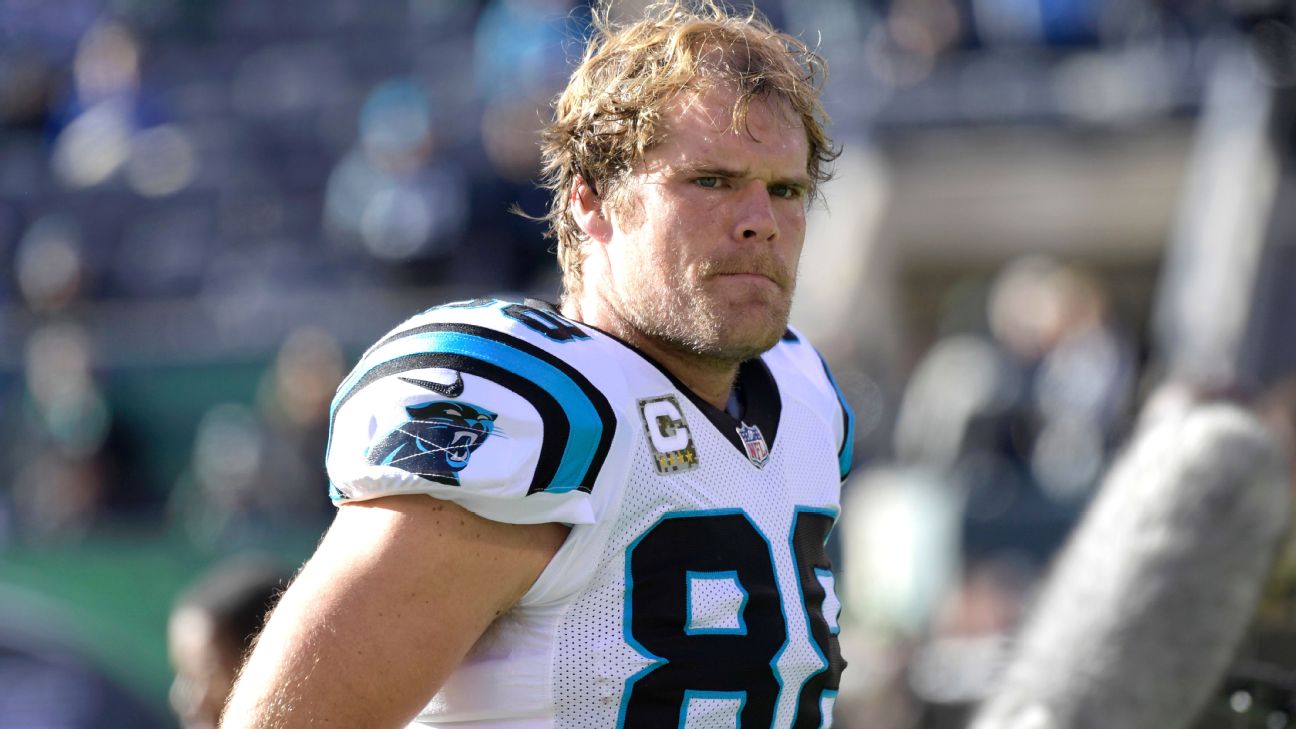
(815, 368)
(472, 414)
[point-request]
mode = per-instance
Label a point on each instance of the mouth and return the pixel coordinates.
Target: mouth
(457, 451)
(750, 279)
(749, 276)
(749, 266)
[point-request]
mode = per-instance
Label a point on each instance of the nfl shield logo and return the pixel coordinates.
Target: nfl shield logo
(751, 437)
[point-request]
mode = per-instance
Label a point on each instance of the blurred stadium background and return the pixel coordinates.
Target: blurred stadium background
(1046, 210)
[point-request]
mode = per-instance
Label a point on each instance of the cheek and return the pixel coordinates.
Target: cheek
(794, 216)
(646, 253)
(651, 263)
(793, 227)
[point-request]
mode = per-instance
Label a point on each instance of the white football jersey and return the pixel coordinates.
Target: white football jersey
(694, 589)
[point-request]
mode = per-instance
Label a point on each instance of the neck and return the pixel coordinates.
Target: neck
(709, 378)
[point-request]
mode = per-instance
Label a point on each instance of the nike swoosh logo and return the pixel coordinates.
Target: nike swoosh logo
(454, 389)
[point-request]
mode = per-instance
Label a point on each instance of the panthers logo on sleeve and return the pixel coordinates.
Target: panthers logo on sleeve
(474, 404)
(436, 442)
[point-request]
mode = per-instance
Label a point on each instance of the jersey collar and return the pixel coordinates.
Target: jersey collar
(757, 390)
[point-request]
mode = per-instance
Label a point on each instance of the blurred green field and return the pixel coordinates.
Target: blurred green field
(108, 595)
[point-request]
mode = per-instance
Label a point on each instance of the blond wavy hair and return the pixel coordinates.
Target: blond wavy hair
(610, 113)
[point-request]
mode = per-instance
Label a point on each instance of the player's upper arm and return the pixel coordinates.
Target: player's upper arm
(475, 409)
(398, 591)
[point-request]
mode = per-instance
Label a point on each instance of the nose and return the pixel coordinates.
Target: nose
(755, 221)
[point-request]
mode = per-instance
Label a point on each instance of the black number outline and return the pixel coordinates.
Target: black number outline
(658, 661)
(808, 716)
(554, 326)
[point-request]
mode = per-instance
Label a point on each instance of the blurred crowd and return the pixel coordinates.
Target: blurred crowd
(1001, 437)
(263, 187)
(179, 180)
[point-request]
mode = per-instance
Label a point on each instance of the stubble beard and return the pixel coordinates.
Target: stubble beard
(683, 316)
(674, 309)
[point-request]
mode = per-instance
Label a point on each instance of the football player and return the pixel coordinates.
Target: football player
(611, 513)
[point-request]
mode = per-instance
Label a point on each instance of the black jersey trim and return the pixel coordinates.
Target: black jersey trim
(846, 453)
(758, 393)
(557, 426)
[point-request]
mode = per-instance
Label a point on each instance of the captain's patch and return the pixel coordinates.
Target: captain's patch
(672, 443)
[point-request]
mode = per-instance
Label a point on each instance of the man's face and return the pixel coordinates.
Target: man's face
(708, 228)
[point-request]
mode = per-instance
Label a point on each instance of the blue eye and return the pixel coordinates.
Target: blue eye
(786, 192)
(708, 182)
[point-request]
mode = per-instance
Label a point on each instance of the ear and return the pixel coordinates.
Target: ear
(587, 209)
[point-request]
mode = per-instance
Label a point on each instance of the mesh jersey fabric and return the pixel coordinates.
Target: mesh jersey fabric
(692, 586)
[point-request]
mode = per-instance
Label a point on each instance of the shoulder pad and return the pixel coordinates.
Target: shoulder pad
(472, 403)
(803, 357)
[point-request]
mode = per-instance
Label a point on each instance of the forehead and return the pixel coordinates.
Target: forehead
(699, 126)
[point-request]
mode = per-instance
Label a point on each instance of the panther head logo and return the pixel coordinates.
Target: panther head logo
(437, 441)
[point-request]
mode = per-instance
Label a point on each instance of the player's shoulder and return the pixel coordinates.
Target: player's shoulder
(800, 364)
(502, 340)
(493, 404)
(803, 373)
(526, 324)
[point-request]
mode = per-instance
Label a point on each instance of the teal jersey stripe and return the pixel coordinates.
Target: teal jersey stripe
(847, 453)
(586, 427)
